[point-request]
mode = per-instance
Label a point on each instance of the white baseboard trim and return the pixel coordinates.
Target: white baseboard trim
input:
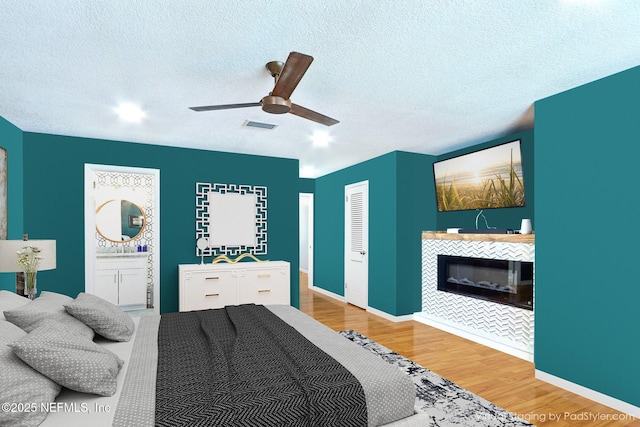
(388, 316)
(328, 293)
(612, 402)
(505, 348)
(371, 310)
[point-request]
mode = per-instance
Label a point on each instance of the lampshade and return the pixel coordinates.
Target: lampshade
(9, 254)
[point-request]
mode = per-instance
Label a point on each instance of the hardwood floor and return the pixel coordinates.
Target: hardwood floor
(498, 377)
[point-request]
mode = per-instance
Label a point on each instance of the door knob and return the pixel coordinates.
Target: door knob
(363, 252)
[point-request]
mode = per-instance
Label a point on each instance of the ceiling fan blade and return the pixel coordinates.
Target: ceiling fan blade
(293, 70)
(225, 107)
(305, 113)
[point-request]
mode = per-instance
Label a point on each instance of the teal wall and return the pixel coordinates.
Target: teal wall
(54, 202)
(499, 218)
(401, 205)
(587, 313)
(11, 140)
(306, 185)
(416, 207)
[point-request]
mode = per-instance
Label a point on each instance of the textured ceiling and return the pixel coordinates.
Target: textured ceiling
(421, 76)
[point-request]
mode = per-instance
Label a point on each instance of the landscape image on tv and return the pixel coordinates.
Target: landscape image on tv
(485, 179)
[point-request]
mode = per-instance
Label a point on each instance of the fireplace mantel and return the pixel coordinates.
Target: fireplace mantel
(513, 238)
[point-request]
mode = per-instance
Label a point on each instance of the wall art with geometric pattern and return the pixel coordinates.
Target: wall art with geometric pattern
(233, 217)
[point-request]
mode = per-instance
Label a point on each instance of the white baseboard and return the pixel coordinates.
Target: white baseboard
(371, 310)
(328, 293)
(505, 348)
(596, 396)
(388, 316)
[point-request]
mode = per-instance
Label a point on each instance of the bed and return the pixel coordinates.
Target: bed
(142, 388)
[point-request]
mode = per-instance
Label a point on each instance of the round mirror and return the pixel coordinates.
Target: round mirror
(120, 220)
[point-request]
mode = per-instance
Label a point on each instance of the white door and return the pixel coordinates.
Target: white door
(356, 264)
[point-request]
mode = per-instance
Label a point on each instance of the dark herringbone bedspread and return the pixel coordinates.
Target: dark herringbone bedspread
(244, 366)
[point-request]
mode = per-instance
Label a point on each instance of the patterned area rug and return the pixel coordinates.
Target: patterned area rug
(446, 403)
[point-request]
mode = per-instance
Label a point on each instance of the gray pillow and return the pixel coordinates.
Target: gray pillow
(74, 362)
(20, 384)
(103, 317)
(42, 310)
(10, 300)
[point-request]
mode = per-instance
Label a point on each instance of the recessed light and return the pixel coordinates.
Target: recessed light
(321, 139)
(130, 113)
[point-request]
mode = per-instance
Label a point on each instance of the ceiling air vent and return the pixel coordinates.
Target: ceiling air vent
(259, 125)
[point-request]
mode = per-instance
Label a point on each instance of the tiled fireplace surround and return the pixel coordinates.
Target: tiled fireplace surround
(505, 328)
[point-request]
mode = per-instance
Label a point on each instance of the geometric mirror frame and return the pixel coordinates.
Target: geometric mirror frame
(232, 217)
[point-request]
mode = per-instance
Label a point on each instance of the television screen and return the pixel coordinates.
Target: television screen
(484, 179)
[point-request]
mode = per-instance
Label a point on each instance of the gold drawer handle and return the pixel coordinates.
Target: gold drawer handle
(211, 295)
(264, 275)
(212, 278)
(264, 291)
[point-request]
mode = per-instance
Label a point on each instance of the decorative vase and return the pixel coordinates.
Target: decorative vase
(525, 226)
(30, 288)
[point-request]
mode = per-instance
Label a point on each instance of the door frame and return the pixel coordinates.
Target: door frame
(347, 229)
(90, 224)
(308, 198)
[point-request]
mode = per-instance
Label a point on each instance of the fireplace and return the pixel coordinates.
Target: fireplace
(501, 281)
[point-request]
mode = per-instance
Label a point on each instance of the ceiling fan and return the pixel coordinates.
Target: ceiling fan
(287, 76)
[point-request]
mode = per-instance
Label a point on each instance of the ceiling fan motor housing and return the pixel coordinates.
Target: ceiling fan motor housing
(275, 104)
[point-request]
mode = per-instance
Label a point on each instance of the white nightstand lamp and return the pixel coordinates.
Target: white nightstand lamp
(26, 258)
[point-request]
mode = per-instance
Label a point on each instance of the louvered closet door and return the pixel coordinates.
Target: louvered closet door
(356, 268)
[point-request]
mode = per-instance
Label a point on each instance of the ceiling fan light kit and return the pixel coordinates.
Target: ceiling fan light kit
(287, 76)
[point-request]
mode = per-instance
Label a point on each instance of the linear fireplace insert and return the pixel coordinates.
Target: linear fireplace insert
(501, 281)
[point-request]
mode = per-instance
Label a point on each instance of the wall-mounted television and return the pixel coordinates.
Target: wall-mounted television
(484, 179)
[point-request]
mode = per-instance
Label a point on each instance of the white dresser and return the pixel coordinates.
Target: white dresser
(204, 286)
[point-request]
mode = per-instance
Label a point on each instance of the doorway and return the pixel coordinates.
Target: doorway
(306, 236)
(356, 263)
(127, 254)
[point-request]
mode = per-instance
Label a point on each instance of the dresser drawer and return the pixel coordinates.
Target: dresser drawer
(202, 290)
(208, 278)
(265, 286)
(208, 296)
